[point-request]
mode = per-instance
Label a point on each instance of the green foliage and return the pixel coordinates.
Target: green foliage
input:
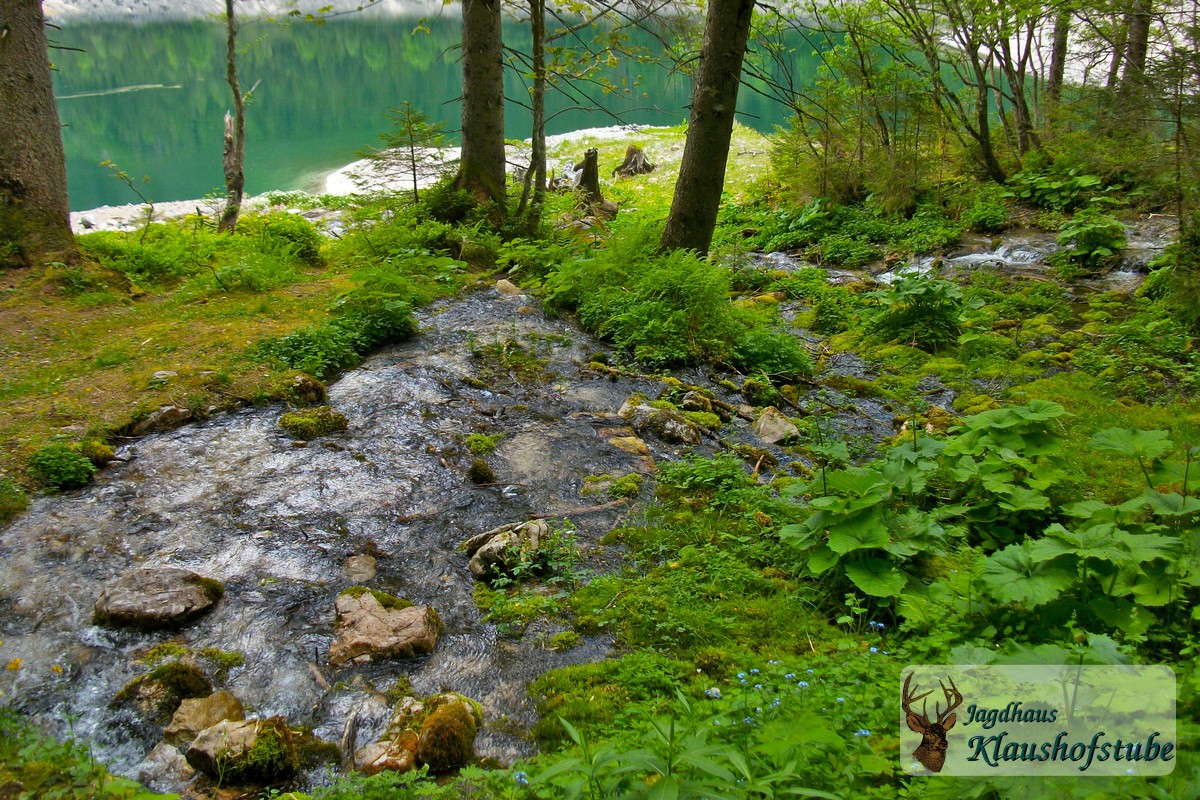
(446, 203)
(406, 148)
(919, 309)
(1090, 238)
(1053, 189)
(373, 314)
(289, 236)
(627, 485)
(1173, 282)
(13, 499)
(773, 352)
(33, 764)
(718, 479)
(988, 212)
(310, 423)
(60, 466)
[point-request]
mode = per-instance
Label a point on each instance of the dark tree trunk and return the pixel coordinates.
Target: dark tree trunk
(587, 183)
(1137, 44)
(714, 100)
(481, 170)
(1120, 40)
(35, 219)
(1058, 56)
(235, 130)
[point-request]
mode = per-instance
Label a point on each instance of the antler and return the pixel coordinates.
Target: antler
(910, 698)
(953, 699)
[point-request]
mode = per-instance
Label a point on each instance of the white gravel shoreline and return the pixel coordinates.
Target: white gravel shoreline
(354, 178)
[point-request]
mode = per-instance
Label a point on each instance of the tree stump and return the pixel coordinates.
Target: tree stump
(635, 163)
(587, 181)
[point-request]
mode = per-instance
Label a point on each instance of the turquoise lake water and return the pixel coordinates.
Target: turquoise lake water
(150, 97)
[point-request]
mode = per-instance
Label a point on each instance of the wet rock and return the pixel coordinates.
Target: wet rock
(773, 427)
(164, 768)
(664, 424)
(308, 391)
(155, 597)
(156, 695)
(399, 755)
(197, 714)
(507, 288)
(630, 444)
(164, 419)
(369, 631)
(694, 401)
(498, 551)
(246, 751)
(359, 569)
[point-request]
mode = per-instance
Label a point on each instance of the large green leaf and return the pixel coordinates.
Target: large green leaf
(1130, 442)
(1171, 505)
(1014, 575)
(877, 577)
(863, 530)
(1096, 542)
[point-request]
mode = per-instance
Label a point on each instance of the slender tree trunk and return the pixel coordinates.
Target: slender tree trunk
(1058, 56)
(714, 100)
(481, 169)
(235, 130)
(35, 220)
(535, 178)
(1120, 40)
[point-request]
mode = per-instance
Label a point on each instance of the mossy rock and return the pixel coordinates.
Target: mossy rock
(158, 693)
(626, 486)
(98, 452)
(388, 601)
(447, 738)
(564, 641)
(251, 751)
(310, 423)
(758, 392)
(480, 472)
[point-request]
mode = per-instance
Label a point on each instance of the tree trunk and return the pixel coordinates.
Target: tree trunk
(481, 169)
(1137, 44)
(535, 177)
(235, 130)
(1058, 56)
(1120, 39)
(697, 197)
(35, 219)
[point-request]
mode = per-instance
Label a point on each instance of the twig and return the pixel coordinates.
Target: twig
(571, 512)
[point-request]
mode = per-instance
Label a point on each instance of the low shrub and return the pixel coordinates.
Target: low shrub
(60, 466)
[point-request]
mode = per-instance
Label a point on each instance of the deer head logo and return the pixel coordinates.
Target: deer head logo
(932, 750)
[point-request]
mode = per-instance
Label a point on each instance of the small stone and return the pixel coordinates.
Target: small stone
(773, 427)
(497, 552)
(359, 569)
(164, 419)
(507, 288)
(163, 768)
(165, 375)
(694, 401)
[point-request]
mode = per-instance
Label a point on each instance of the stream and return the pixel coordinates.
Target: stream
(237, 499)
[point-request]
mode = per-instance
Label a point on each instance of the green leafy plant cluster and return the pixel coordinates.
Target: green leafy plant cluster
(1089, 239)
(1058, 190)
(13, 499)
(919, 309)
(60, 466)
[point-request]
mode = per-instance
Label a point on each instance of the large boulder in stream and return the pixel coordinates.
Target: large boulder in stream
(373, 625)
(500, 550)
(155, 597)
(246, 751)
(438, 732)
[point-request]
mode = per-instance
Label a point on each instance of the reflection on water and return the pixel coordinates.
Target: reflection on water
(151, 97)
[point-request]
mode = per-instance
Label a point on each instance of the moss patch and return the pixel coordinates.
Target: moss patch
(388, 601)
(310, 423)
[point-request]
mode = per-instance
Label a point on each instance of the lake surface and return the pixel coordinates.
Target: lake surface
(151, 97)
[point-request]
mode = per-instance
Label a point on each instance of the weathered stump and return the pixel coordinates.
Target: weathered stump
(635, 163)
(587, 181)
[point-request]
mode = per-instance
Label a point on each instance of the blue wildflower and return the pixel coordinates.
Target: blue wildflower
(758, 686)
(521, 778)
(741, 674)
(773, 663)
(754, 671)
(776, 703)
(809, 671)
(789, 676)
(803, 684)
(714, 693)
(748, 720)
(841, 699)
(874, 650)
(862, 733)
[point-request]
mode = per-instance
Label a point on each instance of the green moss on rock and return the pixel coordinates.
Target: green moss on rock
(479, 472)
(388, 601)
(310, 423)
(447, 738)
